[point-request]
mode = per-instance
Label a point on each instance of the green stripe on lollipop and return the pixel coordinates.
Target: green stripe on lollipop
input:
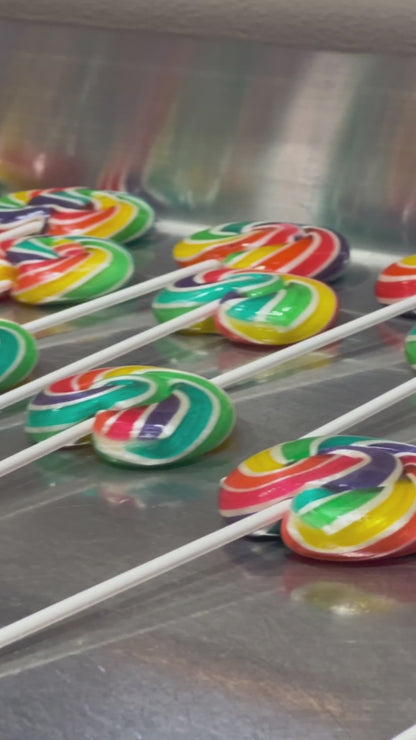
(18, 354)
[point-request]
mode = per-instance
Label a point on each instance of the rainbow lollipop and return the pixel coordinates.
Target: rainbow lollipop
(352, 498)
(256, 307)
(308, 251)
(84, 212)
(144, 416)
(61, 270)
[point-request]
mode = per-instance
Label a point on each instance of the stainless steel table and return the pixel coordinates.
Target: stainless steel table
(248, 642)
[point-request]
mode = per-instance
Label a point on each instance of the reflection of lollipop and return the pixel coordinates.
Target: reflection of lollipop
(348, 591)
(276, 247)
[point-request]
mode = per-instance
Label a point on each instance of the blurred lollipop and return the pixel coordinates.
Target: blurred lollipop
(308, 251)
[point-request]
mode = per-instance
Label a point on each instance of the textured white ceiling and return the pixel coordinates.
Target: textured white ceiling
(359, 25)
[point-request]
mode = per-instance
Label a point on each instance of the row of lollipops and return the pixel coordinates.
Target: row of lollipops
(343, 497)
(269, 279)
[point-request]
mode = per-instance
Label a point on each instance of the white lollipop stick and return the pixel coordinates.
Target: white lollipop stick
(409, 734)
(226, 379)
(316, 342)
(153, 568)
(186, 553)
(119, 296)
(223, 381)
(109, 353)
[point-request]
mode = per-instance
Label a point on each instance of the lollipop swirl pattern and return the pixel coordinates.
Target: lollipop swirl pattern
(203, 287)
(21, 222)
(298, 309)
(352, 498)
(82, 211)
(67, 270)
(18, 354)
(144, 416)
(256, 308)
(277, 247)
(397, 281)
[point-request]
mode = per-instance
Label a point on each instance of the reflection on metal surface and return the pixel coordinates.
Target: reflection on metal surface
(212, 130)
(348, 591)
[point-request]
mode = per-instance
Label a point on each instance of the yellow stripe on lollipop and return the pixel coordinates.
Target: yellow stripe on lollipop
(95, 260)
(128, 369)
(7, 275)
(120, 219)
(364, 531)
(262, 462)
(318, 315)
(250, 258)
(187, 249)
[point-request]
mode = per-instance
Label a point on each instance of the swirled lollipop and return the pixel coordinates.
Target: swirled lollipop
(397, 281)
(82, 211)
(256, 308)
(144, 416)
(67, 269)
(371, 516)
(353, 497)
(203, 287)
(276, 247)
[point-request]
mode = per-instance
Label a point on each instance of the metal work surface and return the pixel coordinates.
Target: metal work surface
(248, 642)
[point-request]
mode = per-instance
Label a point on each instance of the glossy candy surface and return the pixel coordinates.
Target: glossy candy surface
(256, 308)
(18, 354)
(397, 281)
(352, 498)
(67, 269)
(82, 211)
(276, 247)
(144, 416)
